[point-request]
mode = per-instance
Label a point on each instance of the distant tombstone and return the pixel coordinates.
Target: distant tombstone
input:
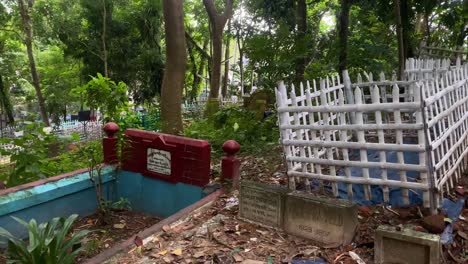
(262, 203)
(84, 116)
(328, 221)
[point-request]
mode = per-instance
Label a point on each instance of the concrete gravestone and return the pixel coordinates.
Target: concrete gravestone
(262, 203)
(330, 222)
(406, 246)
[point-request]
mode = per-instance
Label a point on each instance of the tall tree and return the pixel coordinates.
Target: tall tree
(226, 61)
(5, 103)
(343, 32)
(217, 23)
(174, 72)
(25, 12)
(301, 21)
(401, 45)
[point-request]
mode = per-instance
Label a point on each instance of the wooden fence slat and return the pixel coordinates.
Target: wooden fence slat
(344, 139)
(399, 140)
(382, 154)
(361, 139)
(326, 120)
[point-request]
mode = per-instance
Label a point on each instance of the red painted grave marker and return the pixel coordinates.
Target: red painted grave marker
(167, 157)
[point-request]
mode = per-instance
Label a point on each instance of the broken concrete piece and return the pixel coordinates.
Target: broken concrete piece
(406, 246)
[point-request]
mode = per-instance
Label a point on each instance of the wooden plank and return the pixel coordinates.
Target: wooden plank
(363, 151)
(399, 140)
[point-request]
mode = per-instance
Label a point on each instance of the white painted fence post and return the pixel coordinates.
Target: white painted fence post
(281, 99)
(362, 139)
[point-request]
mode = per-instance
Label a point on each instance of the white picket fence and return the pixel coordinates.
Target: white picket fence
(422, 124)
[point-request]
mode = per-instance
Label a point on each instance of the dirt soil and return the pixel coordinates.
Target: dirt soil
(122, 224)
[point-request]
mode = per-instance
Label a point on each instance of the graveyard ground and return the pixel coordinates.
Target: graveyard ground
(214, 234)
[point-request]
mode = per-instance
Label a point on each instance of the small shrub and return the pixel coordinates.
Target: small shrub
(49, 242)
(239, 124)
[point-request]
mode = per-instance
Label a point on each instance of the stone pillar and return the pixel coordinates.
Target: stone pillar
(109, 143)
(230, 164)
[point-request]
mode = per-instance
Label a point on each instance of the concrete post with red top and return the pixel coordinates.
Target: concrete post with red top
(110, 143)
(230, 164)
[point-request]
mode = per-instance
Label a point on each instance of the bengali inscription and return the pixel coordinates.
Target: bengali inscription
(261, 205)
(159, 161)
(324, 220)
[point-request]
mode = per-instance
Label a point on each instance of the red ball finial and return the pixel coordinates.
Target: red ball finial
(110, 129)
(231, 147)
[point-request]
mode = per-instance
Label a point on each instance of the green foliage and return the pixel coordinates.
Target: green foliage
(238, 124)
(94, 158)
(121, 204)
(104, 94)
(49, 243)
(31, 155)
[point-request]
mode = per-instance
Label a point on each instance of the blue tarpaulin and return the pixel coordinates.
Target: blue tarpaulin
(376, 191)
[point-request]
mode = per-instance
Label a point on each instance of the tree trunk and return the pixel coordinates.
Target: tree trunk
(5, 102)
(226, 62)
(343, 29)
(103, 37)
(301, 13)
(406, 28)
(217, 23)
(241, 62)
(174, 72)
(201, 68)
(27, 27)
(401, 48)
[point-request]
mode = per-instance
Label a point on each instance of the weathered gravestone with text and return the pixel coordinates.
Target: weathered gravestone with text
(262, 203)
(406, 246)
(330, 222)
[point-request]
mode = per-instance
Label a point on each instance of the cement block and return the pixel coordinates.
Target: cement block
(406, 246)
(262, 203)
(330, 222)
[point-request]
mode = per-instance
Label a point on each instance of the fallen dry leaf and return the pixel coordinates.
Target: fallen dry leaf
(251, 261)
(138, 241)
(119, 226)
(199, 254)
(462, 234)
(177, 252)
(162, 253)
(166, 228)
(237, 257)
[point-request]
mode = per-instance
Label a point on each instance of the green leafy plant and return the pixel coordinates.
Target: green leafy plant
(103, 93)
(239, 124)
(93, 155)
(50, 243)
(121, 204)
(38, 155)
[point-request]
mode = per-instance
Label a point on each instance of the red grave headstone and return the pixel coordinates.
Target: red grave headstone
(167, 157)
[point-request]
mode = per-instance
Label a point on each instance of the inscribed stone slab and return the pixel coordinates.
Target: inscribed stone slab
(159, 161)
(330, 222)
(262, 203)
(405, 246)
